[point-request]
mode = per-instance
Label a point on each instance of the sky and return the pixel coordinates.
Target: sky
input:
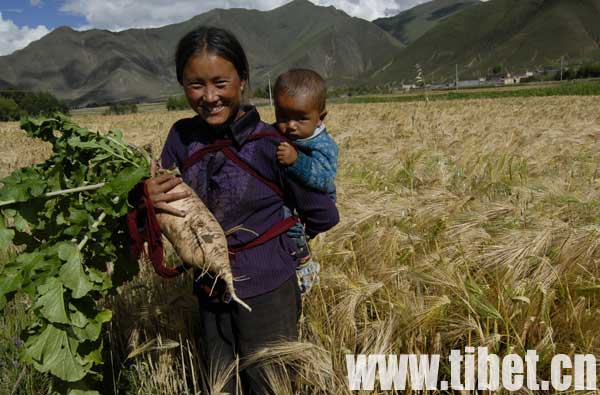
(24, 21)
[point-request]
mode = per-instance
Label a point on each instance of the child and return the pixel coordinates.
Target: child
(299, 111)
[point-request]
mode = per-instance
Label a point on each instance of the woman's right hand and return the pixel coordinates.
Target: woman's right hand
(158, 188)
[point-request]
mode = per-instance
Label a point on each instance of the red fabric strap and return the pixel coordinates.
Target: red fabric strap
(136, 244)
(267, 133)
(198, 155)
(153, 236)
(218, 145)
(274, 231)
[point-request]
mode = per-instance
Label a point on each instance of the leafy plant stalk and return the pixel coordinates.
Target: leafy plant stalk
(62, 192)
(64, 281)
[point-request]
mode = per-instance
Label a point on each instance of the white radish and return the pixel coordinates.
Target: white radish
(198, 238)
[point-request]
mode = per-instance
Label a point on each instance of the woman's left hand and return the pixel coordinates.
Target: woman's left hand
(158, 188)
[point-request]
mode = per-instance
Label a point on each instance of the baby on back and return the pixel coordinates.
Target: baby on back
(300, 96)
(299, 111)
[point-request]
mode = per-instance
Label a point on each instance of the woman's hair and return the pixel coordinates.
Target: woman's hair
(307, 82)
(213, 40)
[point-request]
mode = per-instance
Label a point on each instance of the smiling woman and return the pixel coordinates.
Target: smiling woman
(212, 87)
(213, 76)
(228, 156)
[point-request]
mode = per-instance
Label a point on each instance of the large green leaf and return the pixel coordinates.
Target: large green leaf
(72, 273)
(77, 216)
(52, 303)
(94, 327)
(83, 392)
(125, 180)
(6, 237)
(52, 351)
(37, 268)
(40, 128)
(94, 356)
(78, 319)
(21, 223)
(102, 279)
(104, 316)
(22, 185)
(30, 259)
(10, 281)
(31, 262)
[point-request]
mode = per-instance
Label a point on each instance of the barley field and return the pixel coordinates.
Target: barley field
(462, 223)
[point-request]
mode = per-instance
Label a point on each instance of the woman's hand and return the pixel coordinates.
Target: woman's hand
(158, 188)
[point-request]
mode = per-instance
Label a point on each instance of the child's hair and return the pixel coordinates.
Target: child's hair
(213, 40)
(296, 82)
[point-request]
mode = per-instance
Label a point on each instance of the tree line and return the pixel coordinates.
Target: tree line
(14, 104)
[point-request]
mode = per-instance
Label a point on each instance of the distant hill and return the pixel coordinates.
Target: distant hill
(411, 24)
(5, 85)
(99, 66)
(517, 34)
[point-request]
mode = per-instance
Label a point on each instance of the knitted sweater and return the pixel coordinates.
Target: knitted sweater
(316, 165)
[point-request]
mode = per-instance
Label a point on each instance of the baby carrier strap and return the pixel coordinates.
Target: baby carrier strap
(224, 145)
(197, 156)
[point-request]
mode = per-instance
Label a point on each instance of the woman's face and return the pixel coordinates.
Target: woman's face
(213, 87)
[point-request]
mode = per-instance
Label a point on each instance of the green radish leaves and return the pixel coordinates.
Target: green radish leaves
(67, 240)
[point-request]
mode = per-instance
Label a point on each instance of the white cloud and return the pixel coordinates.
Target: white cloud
(123, 14)
(370, 9)
(35, 3)
(13, 37)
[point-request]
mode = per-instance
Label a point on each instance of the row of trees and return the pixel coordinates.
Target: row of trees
(589, 70)
(586, 70)
(177, 103)
(14, 104)
(121, 109)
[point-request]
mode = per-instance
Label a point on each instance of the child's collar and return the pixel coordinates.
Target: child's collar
(317, 132)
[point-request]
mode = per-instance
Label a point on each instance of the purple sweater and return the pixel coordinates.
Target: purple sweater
(237, 198)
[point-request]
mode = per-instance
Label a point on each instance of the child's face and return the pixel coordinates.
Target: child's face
(297, 116)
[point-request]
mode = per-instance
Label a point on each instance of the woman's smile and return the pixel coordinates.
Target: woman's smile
(214, 110)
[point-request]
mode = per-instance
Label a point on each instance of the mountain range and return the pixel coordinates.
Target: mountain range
(411, 24)
(99, 66)
(515, 34)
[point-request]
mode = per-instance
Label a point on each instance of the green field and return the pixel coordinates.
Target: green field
(585, 88)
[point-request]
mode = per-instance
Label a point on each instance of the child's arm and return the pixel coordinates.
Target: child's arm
(318, 167)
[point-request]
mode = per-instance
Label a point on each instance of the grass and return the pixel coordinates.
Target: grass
(15, 377)
(588, 88)
(463, 222)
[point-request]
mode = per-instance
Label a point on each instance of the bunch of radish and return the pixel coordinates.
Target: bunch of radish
(64, 235)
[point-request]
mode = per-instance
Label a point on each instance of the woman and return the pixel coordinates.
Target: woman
(246, 191)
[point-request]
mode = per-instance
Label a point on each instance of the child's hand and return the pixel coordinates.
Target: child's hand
(286, 154)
